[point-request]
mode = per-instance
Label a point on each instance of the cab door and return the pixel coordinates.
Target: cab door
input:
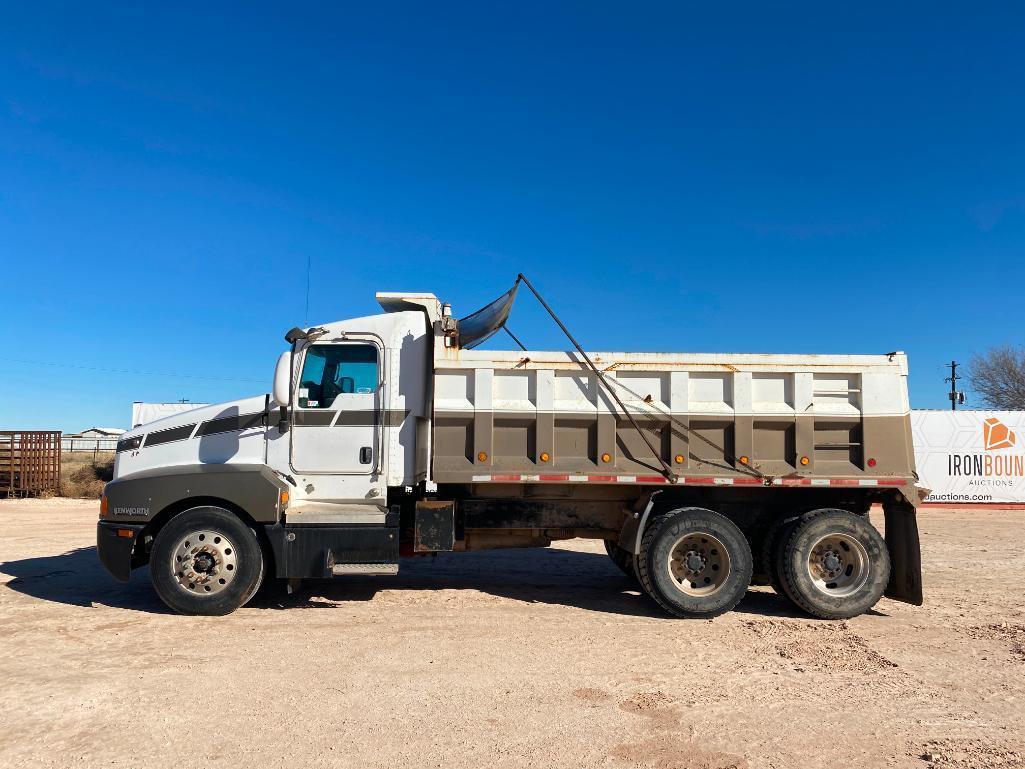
(337, 406)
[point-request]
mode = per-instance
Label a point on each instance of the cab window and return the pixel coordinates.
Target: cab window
(337, 370)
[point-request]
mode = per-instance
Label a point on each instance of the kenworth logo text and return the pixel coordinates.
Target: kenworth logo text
(129, 511)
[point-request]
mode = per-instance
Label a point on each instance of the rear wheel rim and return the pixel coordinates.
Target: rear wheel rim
(698, 564)
(204, 562)
(838, 565)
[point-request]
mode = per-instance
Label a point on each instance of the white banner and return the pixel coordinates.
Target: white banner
(970, 456)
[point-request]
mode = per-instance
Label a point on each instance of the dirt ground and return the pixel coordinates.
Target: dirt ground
(534, 658)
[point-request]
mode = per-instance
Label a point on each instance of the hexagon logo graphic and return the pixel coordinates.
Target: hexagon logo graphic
(996, 435)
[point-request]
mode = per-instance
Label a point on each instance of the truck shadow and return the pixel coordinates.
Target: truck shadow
(553, 576)
(76, 578)
(560, 577)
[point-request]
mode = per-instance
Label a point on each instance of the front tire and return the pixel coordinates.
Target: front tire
(206, 561)
(834, 564)
(695, 563)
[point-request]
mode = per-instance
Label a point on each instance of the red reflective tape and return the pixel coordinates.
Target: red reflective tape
(708, 481)
(842, 481)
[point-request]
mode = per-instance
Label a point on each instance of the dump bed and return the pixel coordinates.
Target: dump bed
(713, 418)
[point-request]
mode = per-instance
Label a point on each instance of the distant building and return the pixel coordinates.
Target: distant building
(94, 439)
(99, 432)
(148, 412)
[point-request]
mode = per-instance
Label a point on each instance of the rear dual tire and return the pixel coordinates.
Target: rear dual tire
(831, 563)
(624, 561)
(772, 551)
(694, 563)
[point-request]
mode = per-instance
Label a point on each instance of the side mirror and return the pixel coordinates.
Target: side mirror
(282, 380)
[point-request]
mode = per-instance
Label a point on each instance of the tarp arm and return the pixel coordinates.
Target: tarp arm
(514, 338)
(667, 471)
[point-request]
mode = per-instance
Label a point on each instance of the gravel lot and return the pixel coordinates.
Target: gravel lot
(505, 659)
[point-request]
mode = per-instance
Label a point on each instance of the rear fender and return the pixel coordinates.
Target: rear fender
(633, 529)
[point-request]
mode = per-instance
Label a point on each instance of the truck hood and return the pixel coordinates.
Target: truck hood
(222, 433)
(192, 416)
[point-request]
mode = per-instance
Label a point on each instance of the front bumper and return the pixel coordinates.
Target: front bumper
(115, 548)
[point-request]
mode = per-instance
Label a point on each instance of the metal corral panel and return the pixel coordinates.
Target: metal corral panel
(760, 419)
(29, 462)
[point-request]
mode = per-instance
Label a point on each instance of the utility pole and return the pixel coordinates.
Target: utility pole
(955, 395)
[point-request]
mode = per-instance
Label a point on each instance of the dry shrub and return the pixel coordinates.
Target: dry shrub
(81, 478)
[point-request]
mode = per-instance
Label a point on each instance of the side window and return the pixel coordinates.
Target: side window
(336, 370)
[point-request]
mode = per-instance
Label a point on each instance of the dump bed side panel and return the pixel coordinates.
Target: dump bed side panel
(759, 419)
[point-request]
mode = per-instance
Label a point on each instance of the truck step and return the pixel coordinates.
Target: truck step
(328, 512)
(366, 569)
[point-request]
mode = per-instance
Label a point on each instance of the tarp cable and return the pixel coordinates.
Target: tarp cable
(667, 471)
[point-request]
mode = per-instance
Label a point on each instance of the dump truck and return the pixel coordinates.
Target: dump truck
(396, 436)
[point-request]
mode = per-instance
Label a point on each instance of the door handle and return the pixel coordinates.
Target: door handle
(366, 455)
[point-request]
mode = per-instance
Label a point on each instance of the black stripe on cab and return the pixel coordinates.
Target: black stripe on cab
(314, 418)
(361, 418)
(170, 435)
(349, 418)
(129, 444)
(231, 423)
(394, 417)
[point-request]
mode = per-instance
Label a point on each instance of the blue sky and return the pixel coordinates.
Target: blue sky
(750, 177)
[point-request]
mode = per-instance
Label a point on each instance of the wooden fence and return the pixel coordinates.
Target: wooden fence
(30, 462)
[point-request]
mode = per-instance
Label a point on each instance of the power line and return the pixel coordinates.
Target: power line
(127, 371)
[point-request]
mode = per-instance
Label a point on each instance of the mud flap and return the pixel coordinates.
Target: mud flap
(434, 526)
(905, 553)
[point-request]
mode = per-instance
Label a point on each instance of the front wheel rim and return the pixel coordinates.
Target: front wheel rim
(838, 565)
(204, 562)
(698, 564)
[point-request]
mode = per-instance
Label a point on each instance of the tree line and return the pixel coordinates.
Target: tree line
(997, 376)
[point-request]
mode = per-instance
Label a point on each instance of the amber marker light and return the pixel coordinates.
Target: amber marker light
(743, 460)
(126, 533)
(606, 457)
(482, 457)
(103, 507)
(679, 459)
(805, 460)
(544, 456)
(283, 497)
